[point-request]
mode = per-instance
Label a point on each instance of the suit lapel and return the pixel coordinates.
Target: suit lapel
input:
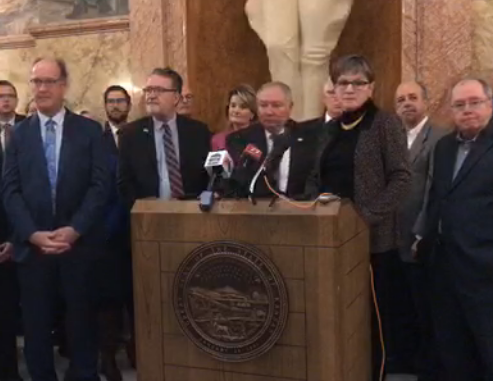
(109, 138)
(296, 146)
(68, 139)
(182, 148)
(148, 145)
(483, 143)
(37, 149)
(260, 140)
(419, 143)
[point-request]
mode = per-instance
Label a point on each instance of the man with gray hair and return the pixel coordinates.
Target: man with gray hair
(276, 131)
(457, 242)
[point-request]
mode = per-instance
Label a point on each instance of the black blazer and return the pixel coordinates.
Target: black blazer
(463, 207)
(82, 185)
(298, 137)
(117, 221)
(5, 230)
(138, 170)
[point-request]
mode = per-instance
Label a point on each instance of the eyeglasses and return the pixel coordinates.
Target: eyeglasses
(157, 90)
(48, 82)
(8, 96)
(357, 84)
(473, 104)
(117, 101)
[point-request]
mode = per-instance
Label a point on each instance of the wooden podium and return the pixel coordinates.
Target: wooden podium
(323, 256)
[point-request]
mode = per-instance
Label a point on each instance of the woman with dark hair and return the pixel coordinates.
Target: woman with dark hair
(362, 156)
(241, 111)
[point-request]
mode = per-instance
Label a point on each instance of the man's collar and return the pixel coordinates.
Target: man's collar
(463, 140)
(58, 118)
(10, 122)
(169, 122)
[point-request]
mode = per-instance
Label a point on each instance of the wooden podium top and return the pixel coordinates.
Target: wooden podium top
(282, 224)
(237, 207)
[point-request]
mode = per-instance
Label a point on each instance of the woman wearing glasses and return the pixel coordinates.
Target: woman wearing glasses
(363, 157)
(241, 111)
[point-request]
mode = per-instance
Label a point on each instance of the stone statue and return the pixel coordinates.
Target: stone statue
(299, 36)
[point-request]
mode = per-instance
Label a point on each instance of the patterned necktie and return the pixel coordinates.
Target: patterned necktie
(50, 154)
(7, 128)
(174, 173)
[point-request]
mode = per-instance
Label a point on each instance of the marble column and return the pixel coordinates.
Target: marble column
(438, 47)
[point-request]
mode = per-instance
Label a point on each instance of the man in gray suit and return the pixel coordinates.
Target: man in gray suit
(411, 106)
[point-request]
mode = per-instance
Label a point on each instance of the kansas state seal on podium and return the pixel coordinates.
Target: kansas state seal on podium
(230, 300)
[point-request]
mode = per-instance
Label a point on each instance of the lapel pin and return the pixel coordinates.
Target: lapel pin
(146, 130)
(300, 139)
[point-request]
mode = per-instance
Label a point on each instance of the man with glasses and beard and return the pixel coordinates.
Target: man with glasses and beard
(114, 269)
(163, 154)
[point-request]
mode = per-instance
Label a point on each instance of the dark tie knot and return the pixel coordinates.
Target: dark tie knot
(5, 127)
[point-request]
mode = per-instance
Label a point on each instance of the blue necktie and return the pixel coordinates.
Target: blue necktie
(50, 154)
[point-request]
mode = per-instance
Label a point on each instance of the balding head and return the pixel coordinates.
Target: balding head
(471, 106)
(49, 85)
(411, 103)
(332, 103)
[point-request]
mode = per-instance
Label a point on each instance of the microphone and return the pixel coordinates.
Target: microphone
(243, 173)
(251, 154)
(271, 163)
(217, 164)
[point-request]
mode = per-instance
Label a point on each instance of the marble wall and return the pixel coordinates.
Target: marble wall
(437, 47)
(374, 30)
(434, 41)
(94, 61)
(482, 21)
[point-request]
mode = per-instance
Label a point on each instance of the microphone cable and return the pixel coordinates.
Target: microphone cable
(309, 205)
(298, 204)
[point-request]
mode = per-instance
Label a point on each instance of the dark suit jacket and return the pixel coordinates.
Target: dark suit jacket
(117, 216)
(464, 208)
(412, 210)
(381, 174)
(5, 230)
(138, 174)
(298, 137)
(82, 185)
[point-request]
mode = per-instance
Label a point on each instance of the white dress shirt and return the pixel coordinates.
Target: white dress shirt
(283, 174)
(114, 132)
(413, 133)
(328, 118)
(164, 183)
(59, 118)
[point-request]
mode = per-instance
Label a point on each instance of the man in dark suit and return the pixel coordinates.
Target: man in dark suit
(458, 227)
(9, 293)
(333, 108)
(411, 106)
(114, 269)
(55, 189)
(163, 155)
(290, 147)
